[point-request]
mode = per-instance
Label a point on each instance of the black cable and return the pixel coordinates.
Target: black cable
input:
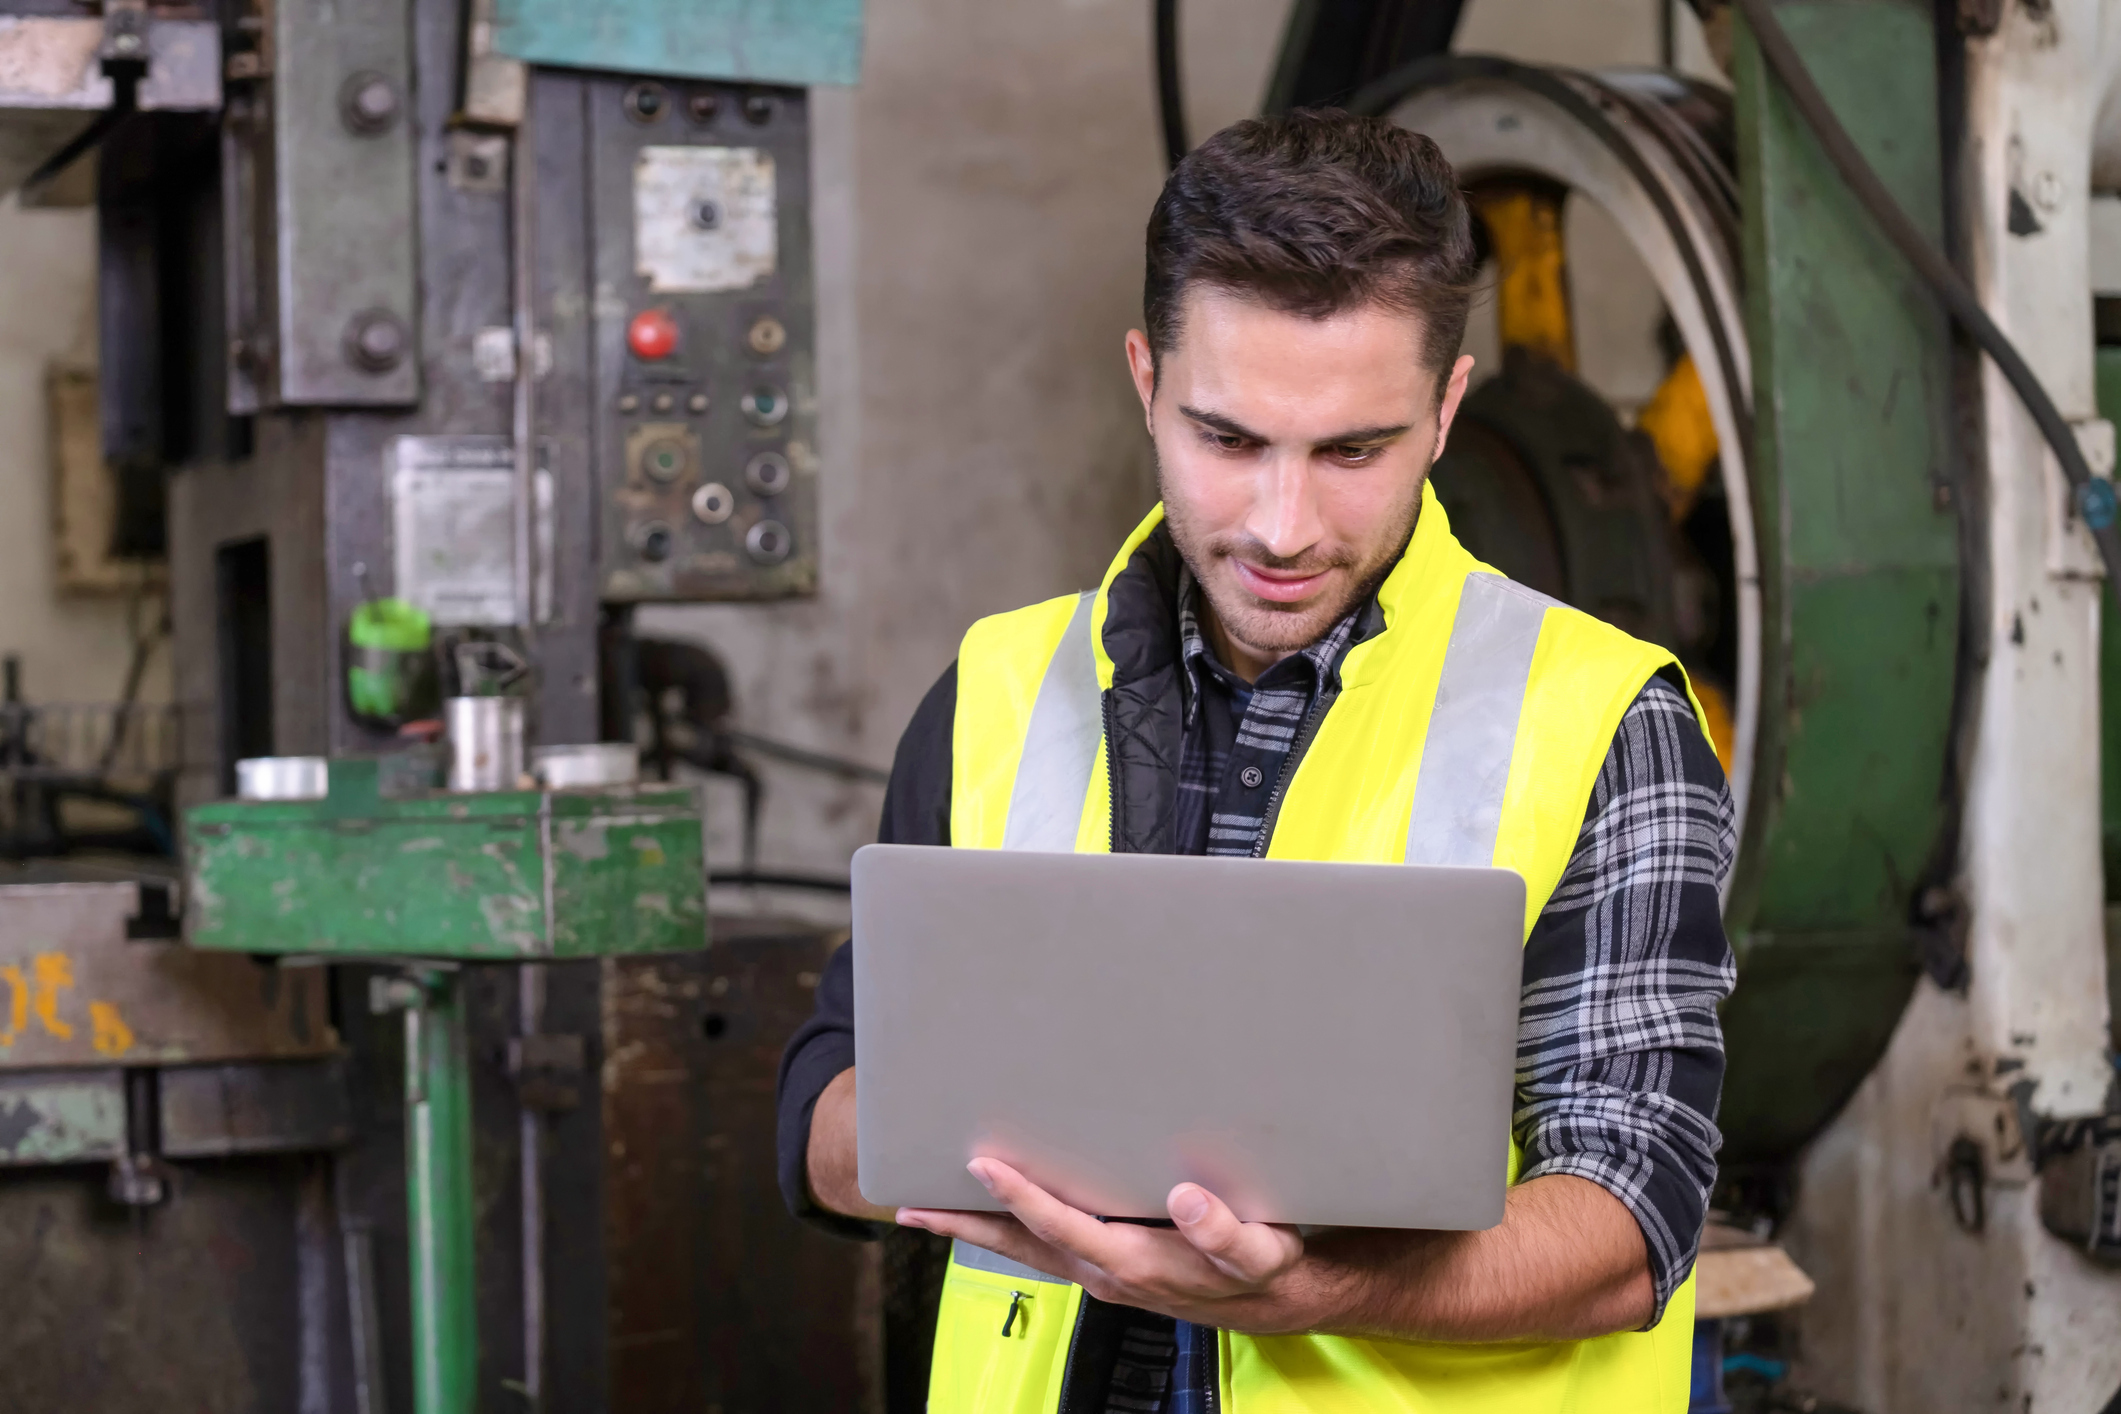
(752, 878)
(2093, 496)
(123, 101)
(810, 760)
(1170, 93)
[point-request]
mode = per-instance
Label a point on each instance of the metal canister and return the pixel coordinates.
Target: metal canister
(485, 742)
(282, 778)
(603, 763)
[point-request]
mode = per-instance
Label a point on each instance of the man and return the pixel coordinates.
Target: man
(1295, 658)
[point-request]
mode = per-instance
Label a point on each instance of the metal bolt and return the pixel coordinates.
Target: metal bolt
(628, 402)
(368, 103)
(2047, 192)
(376, 340)
(704, 105)
(706, 215)
(697, 403)
(646, 102)
(758, 108)
(663, 402)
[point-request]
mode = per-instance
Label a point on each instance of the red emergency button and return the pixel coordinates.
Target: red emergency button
(653, 334)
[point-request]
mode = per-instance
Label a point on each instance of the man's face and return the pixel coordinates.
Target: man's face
(1290, 454)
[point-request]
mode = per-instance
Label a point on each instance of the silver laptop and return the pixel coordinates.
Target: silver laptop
(1317, 1043)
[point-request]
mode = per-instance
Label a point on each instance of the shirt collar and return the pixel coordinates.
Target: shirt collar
(1318, 661)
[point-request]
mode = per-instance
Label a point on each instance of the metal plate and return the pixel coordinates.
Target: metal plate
(346, 228)
(75, 992)
(743, 377)
(703, 218)
(62, 1119)
(453, 519)
(818, 41)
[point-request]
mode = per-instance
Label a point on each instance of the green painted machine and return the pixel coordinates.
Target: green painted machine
(432, 880)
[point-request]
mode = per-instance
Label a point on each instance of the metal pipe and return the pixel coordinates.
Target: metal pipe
(1170, 86)
(522, 168)
(530, 1001)
(445, 1336)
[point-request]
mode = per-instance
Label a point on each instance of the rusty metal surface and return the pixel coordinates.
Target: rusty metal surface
(188, 1307)
(72, 1117)
(719, 1300)
(215, 1111)
(75, 992)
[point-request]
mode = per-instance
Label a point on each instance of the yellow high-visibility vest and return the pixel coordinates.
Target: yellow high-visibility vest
(1469, 731)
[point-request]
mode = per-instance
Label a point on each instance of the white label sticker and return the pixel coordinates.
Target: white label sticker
(453, 518)
(703, 218)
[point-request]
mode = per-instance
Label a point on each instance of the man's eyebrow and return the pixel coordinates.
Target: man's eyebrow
(1229, 427)
(1361, 436)
(1364, 435)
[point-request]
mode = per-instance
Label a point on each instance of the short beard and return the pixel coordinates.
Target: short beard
(1271, 629)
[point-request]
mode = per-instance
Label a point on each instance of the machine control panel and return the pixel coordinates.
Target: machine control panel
(705, 386)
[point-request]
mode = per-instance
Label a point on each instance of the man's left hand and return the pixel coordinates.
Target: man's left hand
(1211, 1269)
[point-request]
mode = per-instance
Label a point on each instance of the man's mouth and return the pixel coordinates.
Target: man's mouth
(1280, 586)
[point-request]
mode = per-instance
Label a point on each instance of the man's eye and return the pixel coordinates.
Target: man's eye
(1356, 454)
(1227, 441)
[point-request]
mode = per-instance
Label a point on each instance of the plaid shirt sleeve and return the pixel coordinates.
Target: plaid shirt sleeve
(1619, 1051)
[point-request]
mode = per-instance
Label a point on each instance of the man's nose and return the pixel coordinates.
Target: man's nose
(1285, 507)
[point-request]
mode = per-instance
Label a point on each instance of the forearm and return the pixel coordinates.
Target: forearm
(1567, 1262)
(832, 1154)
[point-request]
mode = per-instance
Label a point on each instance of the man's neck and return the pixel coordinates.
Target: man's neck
(1240, 658)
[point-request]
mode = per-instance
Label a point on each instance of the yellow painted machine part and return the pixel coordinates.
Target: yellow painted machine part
(1676, 420)
(1532, 291)
(1716, 715)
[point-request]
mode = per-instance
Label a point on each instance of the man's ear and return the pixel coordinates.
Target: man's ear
(1141, 362)
(1454, 393)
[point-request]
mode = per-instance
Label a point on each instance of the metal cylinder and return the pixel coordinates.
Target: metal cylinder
(282, 778)
(603, 763)
(485, 742)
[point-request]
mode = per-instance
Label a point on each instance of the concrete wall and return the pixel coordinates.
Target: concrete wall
(73, 648)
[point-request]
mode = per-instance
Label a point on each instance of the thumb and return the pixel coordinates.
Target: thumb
(1249, 1252)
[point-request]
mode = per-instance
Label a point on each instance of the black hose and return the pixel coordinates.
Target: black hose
(1170, 94)
(124, 99)
(811, 760)
(2094, 496)
(752, 878)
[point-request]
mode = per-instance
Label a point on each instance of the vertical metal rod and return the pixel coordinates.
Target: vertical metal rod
(522, 170)
(364, 1319)
(530, 1000)
(438, 1194)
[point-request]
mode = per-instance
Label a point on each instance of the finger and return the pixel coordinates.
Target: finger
(1250, 1252)
(998, 1233)
(1049, 1219)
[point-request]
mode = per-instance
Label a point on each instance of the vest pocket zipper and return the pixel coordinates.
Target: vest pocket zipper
(1016, 1303)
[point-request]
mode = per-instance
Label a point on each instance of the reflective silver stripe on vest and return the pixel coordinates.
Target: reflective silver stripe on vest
(1465, 762)
(981, 1260)
(1060, 746)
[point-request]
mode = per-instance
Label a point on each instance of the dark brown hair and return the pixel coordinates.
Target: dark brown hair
(1315, 212)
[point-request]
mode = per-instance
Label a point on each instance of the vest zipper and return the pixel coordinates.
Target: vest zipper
(1207, 1372)
(1304, 733)
(1104, 711)
(1075, 1338)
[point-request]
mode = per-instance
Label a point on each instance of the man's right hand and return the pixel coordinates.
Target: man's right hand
(831, 1160)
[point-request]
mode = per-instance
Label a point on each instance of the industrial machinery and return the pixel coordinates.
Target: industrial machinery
(1867, 507)
(437, 334)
